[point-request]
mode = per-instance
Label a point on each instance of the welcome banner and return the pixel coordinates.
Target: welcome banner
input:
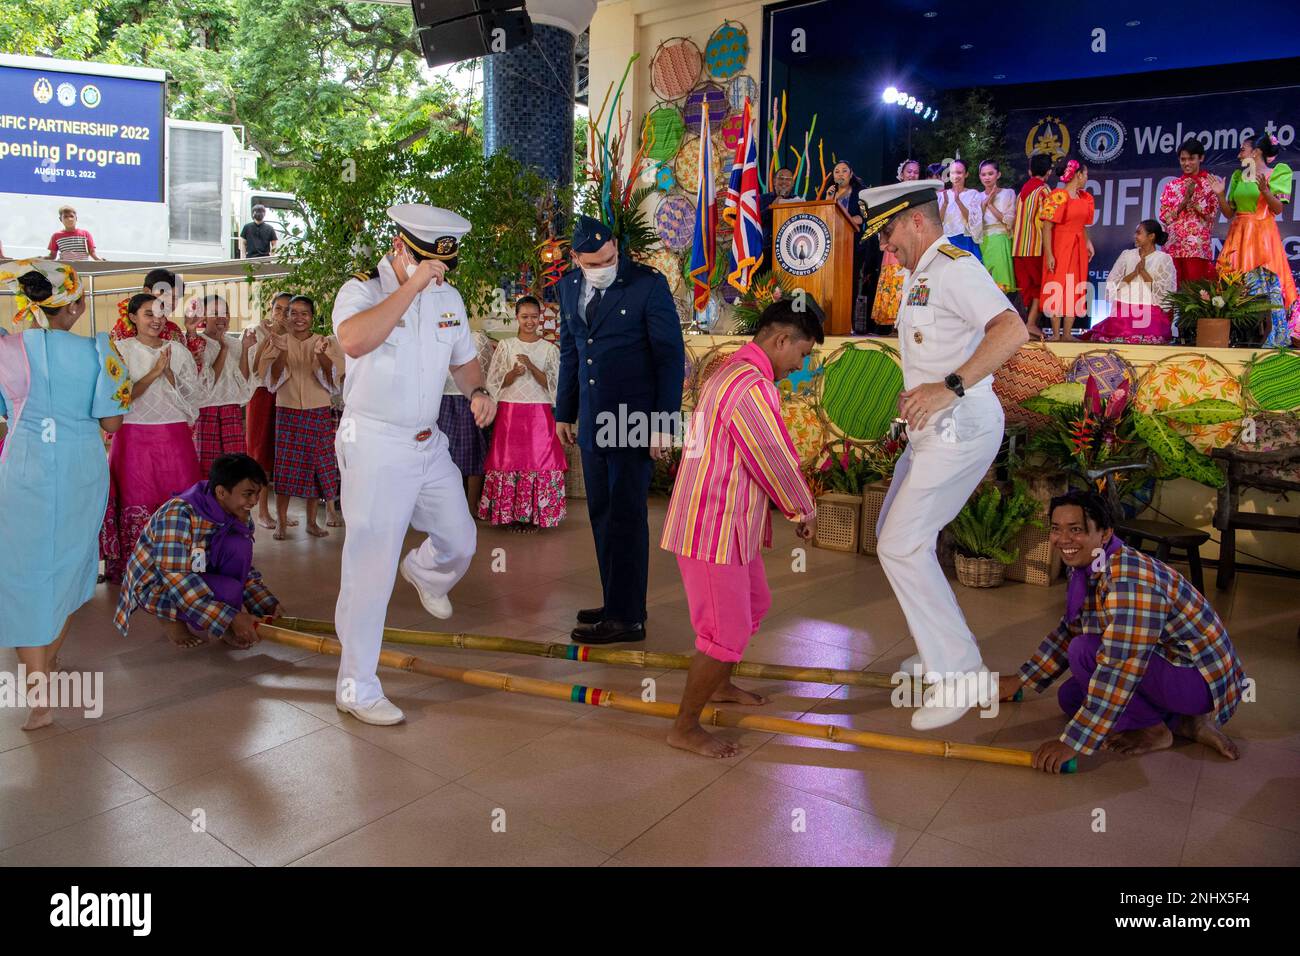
(1131, 149)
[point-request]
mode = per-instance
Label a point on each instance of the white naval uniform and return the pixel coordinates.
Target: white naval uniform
(947, 301)
(391, 479)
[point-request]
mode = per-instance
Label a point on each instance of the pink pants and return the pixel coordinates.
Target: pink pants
(728, 602)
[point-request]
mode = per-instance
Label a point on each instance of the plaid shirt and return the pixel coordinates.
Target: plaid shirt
(1139, 606)
(160, 579)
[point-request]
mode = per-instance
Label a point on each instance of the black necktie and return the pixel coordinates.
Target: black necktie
(592, 305)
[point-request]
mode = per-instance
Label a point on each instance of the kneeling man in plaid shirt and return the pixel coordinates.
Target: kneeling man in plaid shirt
(738, 456)
(1148, 657)
(193, 564)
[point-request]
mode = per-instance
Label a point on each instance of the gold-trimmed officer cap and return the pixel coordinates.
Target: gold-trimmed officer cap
(429, 232)
(879, 204)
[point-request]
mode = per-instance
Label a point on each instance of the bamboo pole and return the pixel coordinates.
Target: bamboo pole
(631, 703)
(604, 655)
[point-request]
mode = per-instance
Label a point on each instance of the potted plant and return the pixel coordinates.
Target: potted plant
(1212, 311)
(838, 480)
(985, 527)
(880, 456)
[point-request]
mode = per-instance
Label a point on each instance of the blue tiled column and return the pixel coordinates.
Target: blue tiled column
(528, 102)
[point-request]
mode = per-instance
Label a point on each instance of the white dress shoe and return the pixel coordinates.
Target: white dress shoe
(932, 718)
(439, 605)
(382, 713)
(912, 663)
(947, 701)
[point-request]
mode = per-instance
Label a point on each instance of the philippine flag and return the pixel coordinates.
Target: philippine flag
(703, 250)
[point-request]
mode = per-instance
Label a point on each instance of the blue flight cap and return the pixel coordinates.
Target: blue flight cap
(589, 234)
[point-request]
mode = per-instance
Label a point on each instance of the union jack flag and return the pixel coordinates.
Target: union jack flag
(703, 249)
(742, 207)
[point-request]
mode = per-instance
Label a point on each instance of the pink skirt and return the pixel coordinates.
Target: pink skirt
(1134, 324)
(524, 472)
(147, 465)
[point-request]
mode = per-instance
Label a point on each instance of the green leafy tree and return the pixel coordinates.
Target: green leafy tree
(969, 127)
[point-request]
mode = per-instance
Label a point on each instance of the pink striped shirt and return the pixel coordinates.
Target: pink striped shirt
(737, 456)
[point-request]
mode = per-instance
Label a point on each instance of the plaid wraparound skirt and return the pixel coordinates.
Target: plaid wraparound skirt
(261, 429)
(466, 441)
(219, 431)
(305, 464)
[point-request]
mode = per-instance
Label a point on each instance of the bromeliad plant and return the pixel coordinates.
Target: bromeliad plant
(844, 469)
(1086, 431)
(991, 519)
(763, 291)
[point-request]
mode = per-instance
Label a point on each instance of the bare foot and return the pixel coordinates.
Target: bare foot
(1204, 730)
(316, 531)
(700, 741)
(334, 521)
(180, 635)
(38, 718)
(292, 522)
(729, 693)
(280, 533)
(1135, 742)
(1036, 333)
(266, 521)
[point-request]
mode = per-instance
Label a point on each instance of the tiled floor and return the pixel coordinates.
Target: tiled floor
(215, 756)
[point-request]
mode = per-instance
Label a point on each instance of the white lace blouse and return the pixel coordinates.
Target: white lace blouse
(162, 402)
(1164, 279)
(525, 388)
(1005, 202)
(953, 224)
(232, 388)
(485, 347)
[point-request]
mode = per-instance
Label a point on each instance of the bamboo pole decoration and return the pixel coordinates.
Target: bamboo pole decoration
(605, 655)
(630, 703)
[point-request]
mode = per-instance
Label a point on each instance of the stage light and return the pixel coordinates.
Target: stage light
(900, 98)
(917, 109)
(890, 95)
(968, 46)
(1133, 23)
(931, 14)
(935, 116)
(911, 101)
(926, 114)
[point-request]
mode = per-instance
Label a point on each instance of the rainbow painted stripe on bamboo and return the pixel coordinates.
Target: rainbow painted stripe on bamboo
(589, 695)
(577, 652)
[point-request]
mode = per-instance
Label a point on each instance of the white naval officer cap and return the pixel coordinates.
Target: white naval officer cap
(879, 204)
(429, 232)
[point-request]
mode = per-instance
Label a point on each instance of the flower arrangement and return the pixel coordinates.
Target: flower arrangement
(664, 474)
(843, 468)
(763, 291)
(882, 456)
(1226, 297)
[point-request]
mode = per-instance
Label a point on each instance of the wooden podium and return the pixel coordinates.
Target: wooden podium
(812, 249)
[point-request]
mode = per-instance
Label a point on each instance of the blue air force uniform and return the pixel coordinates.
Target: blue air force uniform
(620, 379)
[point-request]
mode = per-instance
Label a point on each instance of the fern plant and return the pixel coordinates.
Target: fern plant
(990, 521)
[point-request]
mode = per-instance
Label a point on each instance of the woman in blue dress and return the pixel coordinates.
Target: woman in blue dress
(57, 390)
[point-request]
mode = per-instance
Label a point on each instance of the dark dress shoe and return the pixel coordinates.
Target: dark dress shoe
(591, 615)
(608, 632)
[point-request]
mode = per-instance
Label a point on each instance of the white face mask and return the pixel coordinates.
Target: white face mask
(601, 278)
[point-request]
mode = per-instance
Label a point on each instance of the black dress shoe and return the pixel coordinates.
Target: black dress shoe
(591, 615)
(608, 632)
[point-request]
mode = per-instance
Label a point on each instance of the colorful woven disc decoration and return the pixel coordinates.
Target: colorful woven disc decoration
(663, 130)
(1108, 368)
(740, 88)
(1024, 375)
(706, 96)
(727, 50)
(1273, 383)
(732, 127)
(675, 68)
(860, 392)
(675, 222)
(666, 263)
(665, 179)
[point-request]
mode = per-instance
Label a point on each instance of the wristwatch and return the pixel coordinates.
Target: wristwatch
(954, 382)
(477, 390)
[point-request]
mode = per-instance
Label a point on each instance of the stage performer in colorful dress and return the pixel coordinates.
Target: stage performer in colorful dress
(884, 310)
(193, 565)
(963, 217)
(621, 361)
(524, 483)
(152, 456)
(467, 443)
(57, 390)
(1066, 214)
(1189, 210)
(169, 289)
(1148, 657)
(260, 420)
(403, 327)
(1027, 239)
(1139, 282)
(1254, 203)
(998, 209)
(220, 427)
(302, 368)
(955, 329)
(737, 460)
